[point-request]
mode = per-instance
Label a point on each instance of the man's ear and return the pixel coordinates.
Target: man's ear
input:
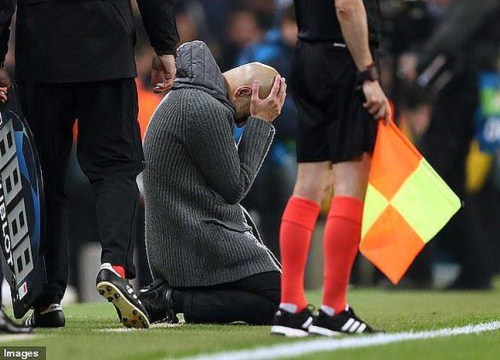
(242, 91)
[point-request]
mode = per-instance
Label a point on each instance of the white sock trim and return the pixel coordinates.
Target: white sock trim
(328, 310)
(288, 307)
(109, 267)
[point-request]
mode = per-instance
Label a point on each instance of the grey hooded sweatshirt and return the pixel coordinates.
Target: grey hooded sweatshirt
(197, 233)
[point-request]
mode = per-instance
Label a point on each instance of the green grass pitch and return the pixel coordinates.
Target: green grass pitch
(87, 334)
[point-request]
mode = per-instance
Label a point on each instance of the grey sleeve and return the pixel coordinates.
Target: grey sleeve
(465, 19)
(229, 169)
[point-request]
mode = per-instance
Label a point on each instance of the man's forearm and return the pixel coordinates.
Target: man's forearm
(354, 25)
(159, 20)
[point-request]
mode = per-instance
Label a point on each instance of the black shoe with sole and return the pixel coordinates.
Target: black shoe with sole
(292, 324)
(345, 322)
(7, 326)
(119, 292)
(51, 317)
(157, 300)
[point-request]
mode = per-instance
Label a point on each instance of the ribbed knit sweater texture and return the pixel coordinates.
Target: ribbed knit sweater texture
(196, 230)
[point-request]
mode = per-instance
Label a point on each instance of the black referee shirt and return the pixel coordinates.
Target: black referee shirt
(318, 21)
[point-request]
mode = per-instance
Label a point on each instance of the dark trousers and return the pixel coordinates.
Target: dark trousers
(110, 154)
(253, 300)
(446, 145)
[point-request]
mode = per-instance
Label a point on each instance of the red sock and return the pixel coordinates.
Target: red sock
(120, 270)
(341, 241)
(297, 225)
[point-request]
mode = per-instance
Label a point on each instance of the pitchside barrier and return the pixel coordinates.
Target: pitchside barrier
(21, 208)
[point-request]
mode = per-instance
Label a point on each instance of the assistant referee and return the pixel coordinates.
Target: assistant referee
(338, 95)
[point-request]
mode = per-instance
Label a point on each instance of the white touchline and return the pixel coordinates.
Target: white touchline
(130, 330)
(19, 337)
(325, 344)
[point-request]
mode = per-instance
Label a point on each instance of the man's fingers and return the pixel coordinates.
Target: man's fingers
(374, 108)
(376, 103)
(380, 114)
(164, 86)
(282, 95)
(169, 81)
(169, 73)
(282, 90)
(157, 77)
(276, 87)
(388, 113)
(168, 65)
(368, 103)
(255, 90)
(161, 87)
(163, 73)
(3, 95)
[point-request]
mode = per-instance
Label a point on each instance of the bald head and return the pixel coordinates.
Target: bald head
(239, 85)
(245, 75)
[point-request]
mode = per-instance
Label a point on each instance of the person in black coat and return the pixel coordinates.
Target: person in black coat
(465, 44)
(75, 60)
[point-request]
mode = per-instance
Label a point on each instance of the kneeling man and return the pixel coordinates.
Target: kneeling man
(203, 248)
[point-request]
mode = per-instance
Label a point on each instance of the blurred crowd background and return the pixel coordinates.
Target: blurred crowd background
(440, 62)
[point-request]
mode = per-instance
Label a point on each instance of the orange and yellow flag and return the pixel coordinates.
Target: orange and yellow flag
(406, 205)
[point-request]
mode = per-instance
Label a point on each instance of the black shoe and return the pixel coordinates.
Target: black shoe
(157, 299)
(345, 322)
(7, 326)
(118, 291)
(51, 317)
(292, 324)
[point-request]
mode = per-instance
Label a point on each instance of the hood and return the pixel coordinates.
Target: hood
(197, 69)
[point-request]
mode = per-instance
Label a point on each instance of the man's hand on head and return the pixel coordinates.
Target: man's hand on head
(376, 101)
(4, 84)
(269, 108)
(163, 73)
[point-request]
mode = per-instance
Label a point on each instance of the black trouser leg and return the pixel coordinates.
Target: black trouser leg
(49, 110)
(253, 300)
(143, 271)
(446, 145)
(110, 154)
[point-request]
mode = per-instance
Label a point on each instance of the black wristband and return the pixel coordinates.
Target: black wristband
(369, 74)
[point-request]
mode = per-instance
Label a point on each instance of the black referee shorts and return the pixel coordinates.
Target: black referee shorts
(333, 125)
